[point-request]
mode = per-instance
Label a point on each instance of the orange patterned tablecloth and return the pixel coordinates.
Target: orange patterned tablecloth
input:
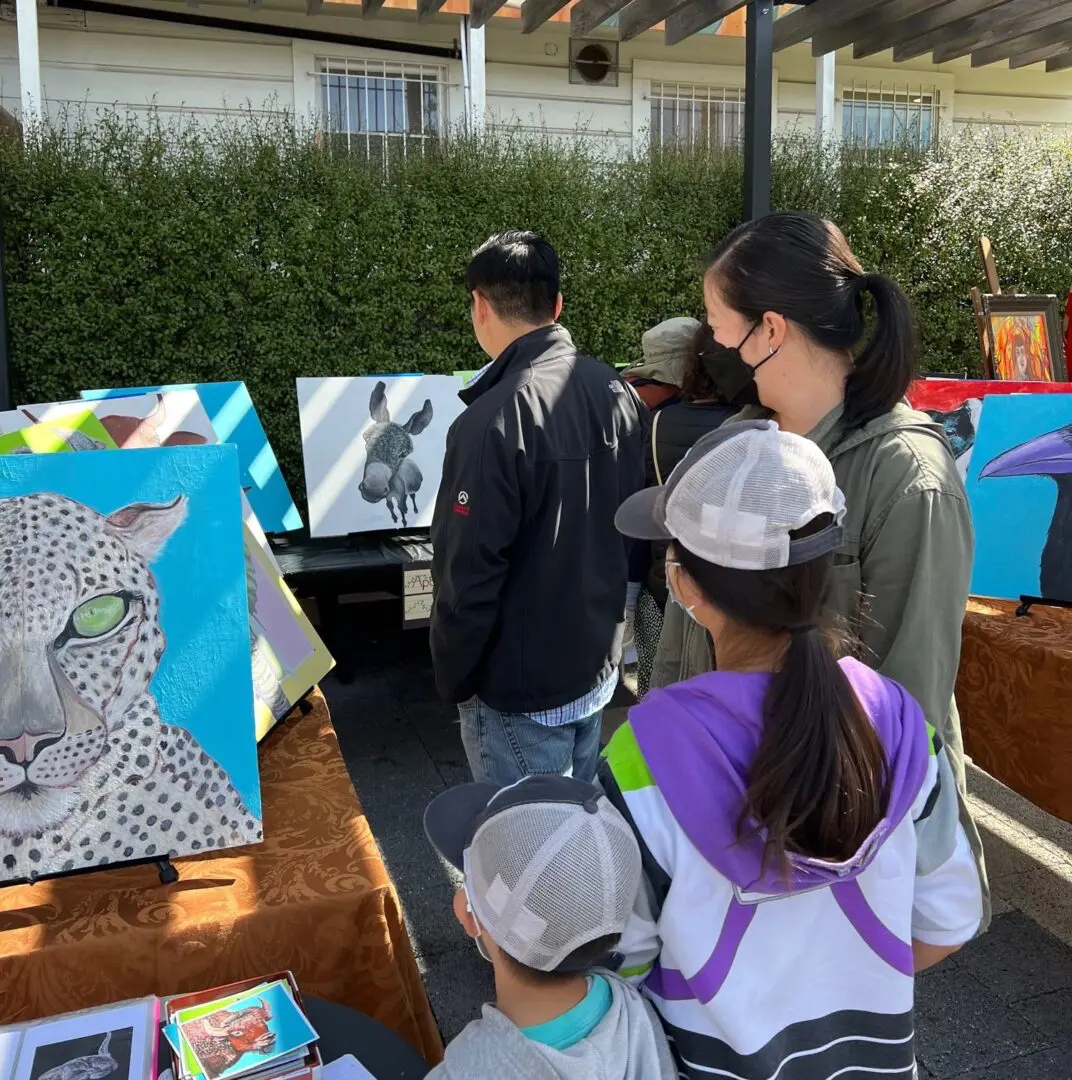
(1014, 691)
(315, 898)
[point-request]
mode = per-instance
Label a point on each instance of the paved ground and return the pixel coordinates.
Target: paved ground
(999, 1010)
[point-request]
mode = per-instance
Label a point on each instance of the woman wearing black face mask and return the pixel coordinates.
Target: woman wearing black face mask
(785, 299)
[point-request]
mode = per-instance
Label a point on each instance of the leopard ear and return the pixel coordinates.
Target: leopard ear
(147, 526)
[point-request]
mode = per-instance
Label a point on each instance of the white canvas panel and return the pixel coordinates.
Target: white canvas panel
(373, 448)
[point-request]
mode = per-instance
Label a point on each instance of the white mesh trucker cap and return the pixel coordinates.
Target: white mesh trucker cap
(550, 865)
(736, 496)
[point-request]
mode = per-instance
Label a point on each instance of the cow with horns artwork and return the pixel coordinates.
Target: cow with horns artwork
(391, 474)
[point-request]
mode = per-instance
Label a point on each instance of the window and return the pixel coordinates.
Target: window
(686, 115)
(381, 108)
(873, 117)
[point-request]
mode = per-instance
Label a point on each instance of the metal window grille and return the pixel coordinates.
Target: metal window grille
(686, 115)
(885, 116)
(380, 109)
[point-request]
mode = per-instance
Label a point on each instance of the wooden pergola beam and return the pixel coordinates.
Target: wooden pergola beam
(970, 27)
(1012, 20)
(641, 15)
(586, 15)
(427, 9)
(534, 13)
(1036, 56)
(820, 16)
(884, 18)
(926, 25)
(694, 17)
(1060, 63)
(1052, 34)
(480, 11)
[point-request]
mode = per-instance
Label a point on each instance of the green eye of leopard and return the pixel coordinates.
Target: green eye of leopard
(98, 616)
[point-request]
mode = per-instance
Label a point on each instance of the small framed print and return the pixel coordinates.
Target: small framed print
(118, 1042)
(1025, 338)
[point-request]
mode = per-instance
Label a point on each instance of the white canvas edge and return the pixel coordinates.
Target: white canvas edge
(10, 1038)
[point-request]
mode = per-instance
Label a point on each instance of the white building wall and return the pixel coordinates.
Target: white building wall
(535, 98)
(112, 62)
(97, 62)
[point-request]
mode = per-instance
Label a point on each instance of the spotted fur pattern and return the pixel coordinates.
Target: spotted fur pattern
(89, 773)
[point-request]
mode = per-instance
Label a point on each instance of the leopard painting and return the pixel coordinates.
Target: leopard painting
(89, 772)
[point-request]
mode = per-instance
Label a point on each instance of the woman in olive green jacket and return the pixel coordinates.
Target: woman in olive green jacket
(784, 298)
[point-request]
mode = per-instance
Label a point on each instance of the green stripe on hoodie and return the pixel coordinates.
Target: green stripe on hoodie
(627, 762)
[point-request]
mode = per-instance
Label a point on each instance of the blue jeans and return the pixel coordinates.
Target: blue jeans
(504, 747)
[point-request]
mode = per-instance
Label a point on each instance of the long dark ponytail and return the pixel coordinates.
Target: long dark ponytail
(818, 781)
(802, 267)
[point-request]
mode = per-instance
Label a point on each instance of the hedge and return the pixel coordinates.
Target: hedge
(153, 255)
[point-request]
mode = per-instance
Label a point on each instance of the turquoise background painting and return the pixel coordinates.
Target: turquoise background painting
(235, 420)
(204, 682)
(1012, 514)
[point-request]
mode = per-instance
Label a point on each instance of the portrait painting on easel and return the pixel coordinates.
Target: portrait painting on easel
(1025, 338)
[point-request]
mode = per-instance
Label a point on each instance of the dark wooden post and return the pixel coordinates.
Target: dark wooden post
(758, 103)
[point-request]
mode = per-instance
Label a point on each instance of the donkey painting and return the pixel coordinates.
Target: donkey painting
(391, 475)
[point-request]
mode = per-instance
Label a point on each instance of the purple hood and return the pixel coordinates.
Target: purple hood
(699, 739)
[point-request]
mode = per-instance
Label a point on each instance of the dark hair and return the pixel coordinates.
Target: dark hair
(696, 384)
(597, 953)
(802, 267)
(517, 273)
(817, 785)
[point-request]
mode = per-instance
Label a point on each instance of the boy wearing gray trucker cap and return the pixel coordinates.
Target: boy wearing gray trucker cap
(552, 871)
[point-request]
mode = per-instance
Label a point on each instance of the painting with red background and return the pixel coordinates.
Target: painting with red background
(957, 403)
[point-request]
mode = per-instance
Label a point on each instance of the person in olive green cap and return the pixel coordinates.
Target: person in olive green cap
(785, 300)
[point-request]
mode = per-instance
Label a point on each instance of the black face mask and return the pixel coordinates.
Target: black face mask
(733, 377)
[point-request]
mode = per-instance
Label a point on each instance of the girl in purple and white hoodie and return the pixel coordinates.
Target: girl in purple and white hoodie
(797, 815)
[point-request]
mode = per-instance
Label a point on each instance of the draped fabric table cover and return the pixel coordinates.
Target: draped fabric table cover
(1014, 691)
(315, 898)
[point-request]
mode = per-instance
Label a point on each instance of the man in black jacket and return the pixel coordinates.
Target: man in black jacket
(529, 572)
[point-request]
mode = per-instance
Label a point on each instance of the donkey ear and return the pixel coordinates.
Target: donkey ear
(419, 420)
(378, 404)
(147, 526)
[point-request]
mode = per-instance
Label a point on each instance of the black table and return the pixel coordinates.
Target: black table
(368, 563)
(343, 1031)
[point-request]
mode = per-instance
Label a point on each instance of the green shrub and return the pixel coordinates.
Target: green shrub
(141, 256)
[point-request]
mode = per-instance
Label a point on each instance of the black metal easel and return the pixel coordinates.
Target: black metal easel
(1028, 602)
(165, 868)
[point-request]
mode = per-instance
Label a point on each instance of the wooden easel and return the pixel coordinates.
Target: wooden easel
(990, 271)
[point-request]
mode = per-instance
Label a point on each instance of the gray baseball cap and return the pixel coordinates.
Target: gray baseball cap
(550, 865)
(736, 496)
